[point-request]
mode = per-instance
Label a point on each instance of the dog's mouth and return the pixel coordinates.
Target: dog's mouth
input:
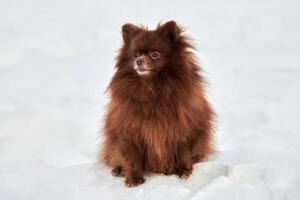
(142, 70)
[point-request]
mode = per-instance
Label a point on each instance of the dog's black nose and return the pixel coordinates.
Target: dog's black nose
(140, 61)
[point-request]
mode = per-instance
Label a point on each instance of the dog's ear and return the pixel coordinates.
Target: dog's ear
(169, 30)
(129, 31)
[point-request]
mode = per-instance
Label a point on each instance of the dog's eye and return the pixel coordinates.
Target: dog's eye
(155, 55)
(135, 54)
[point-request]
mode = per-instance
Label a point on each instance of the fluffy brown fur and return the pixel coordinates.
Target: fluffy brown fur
(158, 119)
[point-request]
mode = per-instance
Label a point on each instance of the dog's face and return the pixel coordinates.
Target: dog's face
(148, 52)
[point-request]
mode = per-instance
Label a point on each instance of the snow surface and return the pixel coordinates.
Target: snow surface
(56, 59)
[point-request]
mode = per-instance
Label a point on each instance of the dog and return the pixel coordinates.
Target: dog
(158, 119)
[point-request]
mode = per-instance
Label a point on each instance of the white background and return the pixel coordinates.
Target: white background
(56, 60)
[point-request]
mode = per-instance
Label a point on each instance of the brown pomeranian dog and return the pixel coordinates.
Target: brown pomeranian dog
(158, 119)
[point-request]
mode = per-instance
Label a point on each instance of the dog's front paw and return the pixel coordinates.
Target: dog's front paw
(132, 182)
(184, 173)
(117, 171)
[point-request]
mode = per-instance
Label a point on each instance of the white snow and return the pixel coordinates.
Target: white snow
(56, 59)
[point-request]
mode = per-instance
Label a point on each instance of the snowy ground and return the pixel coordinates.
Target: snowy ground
(56, 60)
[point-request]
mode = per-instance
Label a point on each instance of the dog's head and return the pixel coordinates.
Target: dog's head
(148, 52)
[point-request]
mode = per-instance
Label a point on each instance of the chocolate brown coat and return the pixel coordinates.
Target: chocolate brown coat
(161, 123)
